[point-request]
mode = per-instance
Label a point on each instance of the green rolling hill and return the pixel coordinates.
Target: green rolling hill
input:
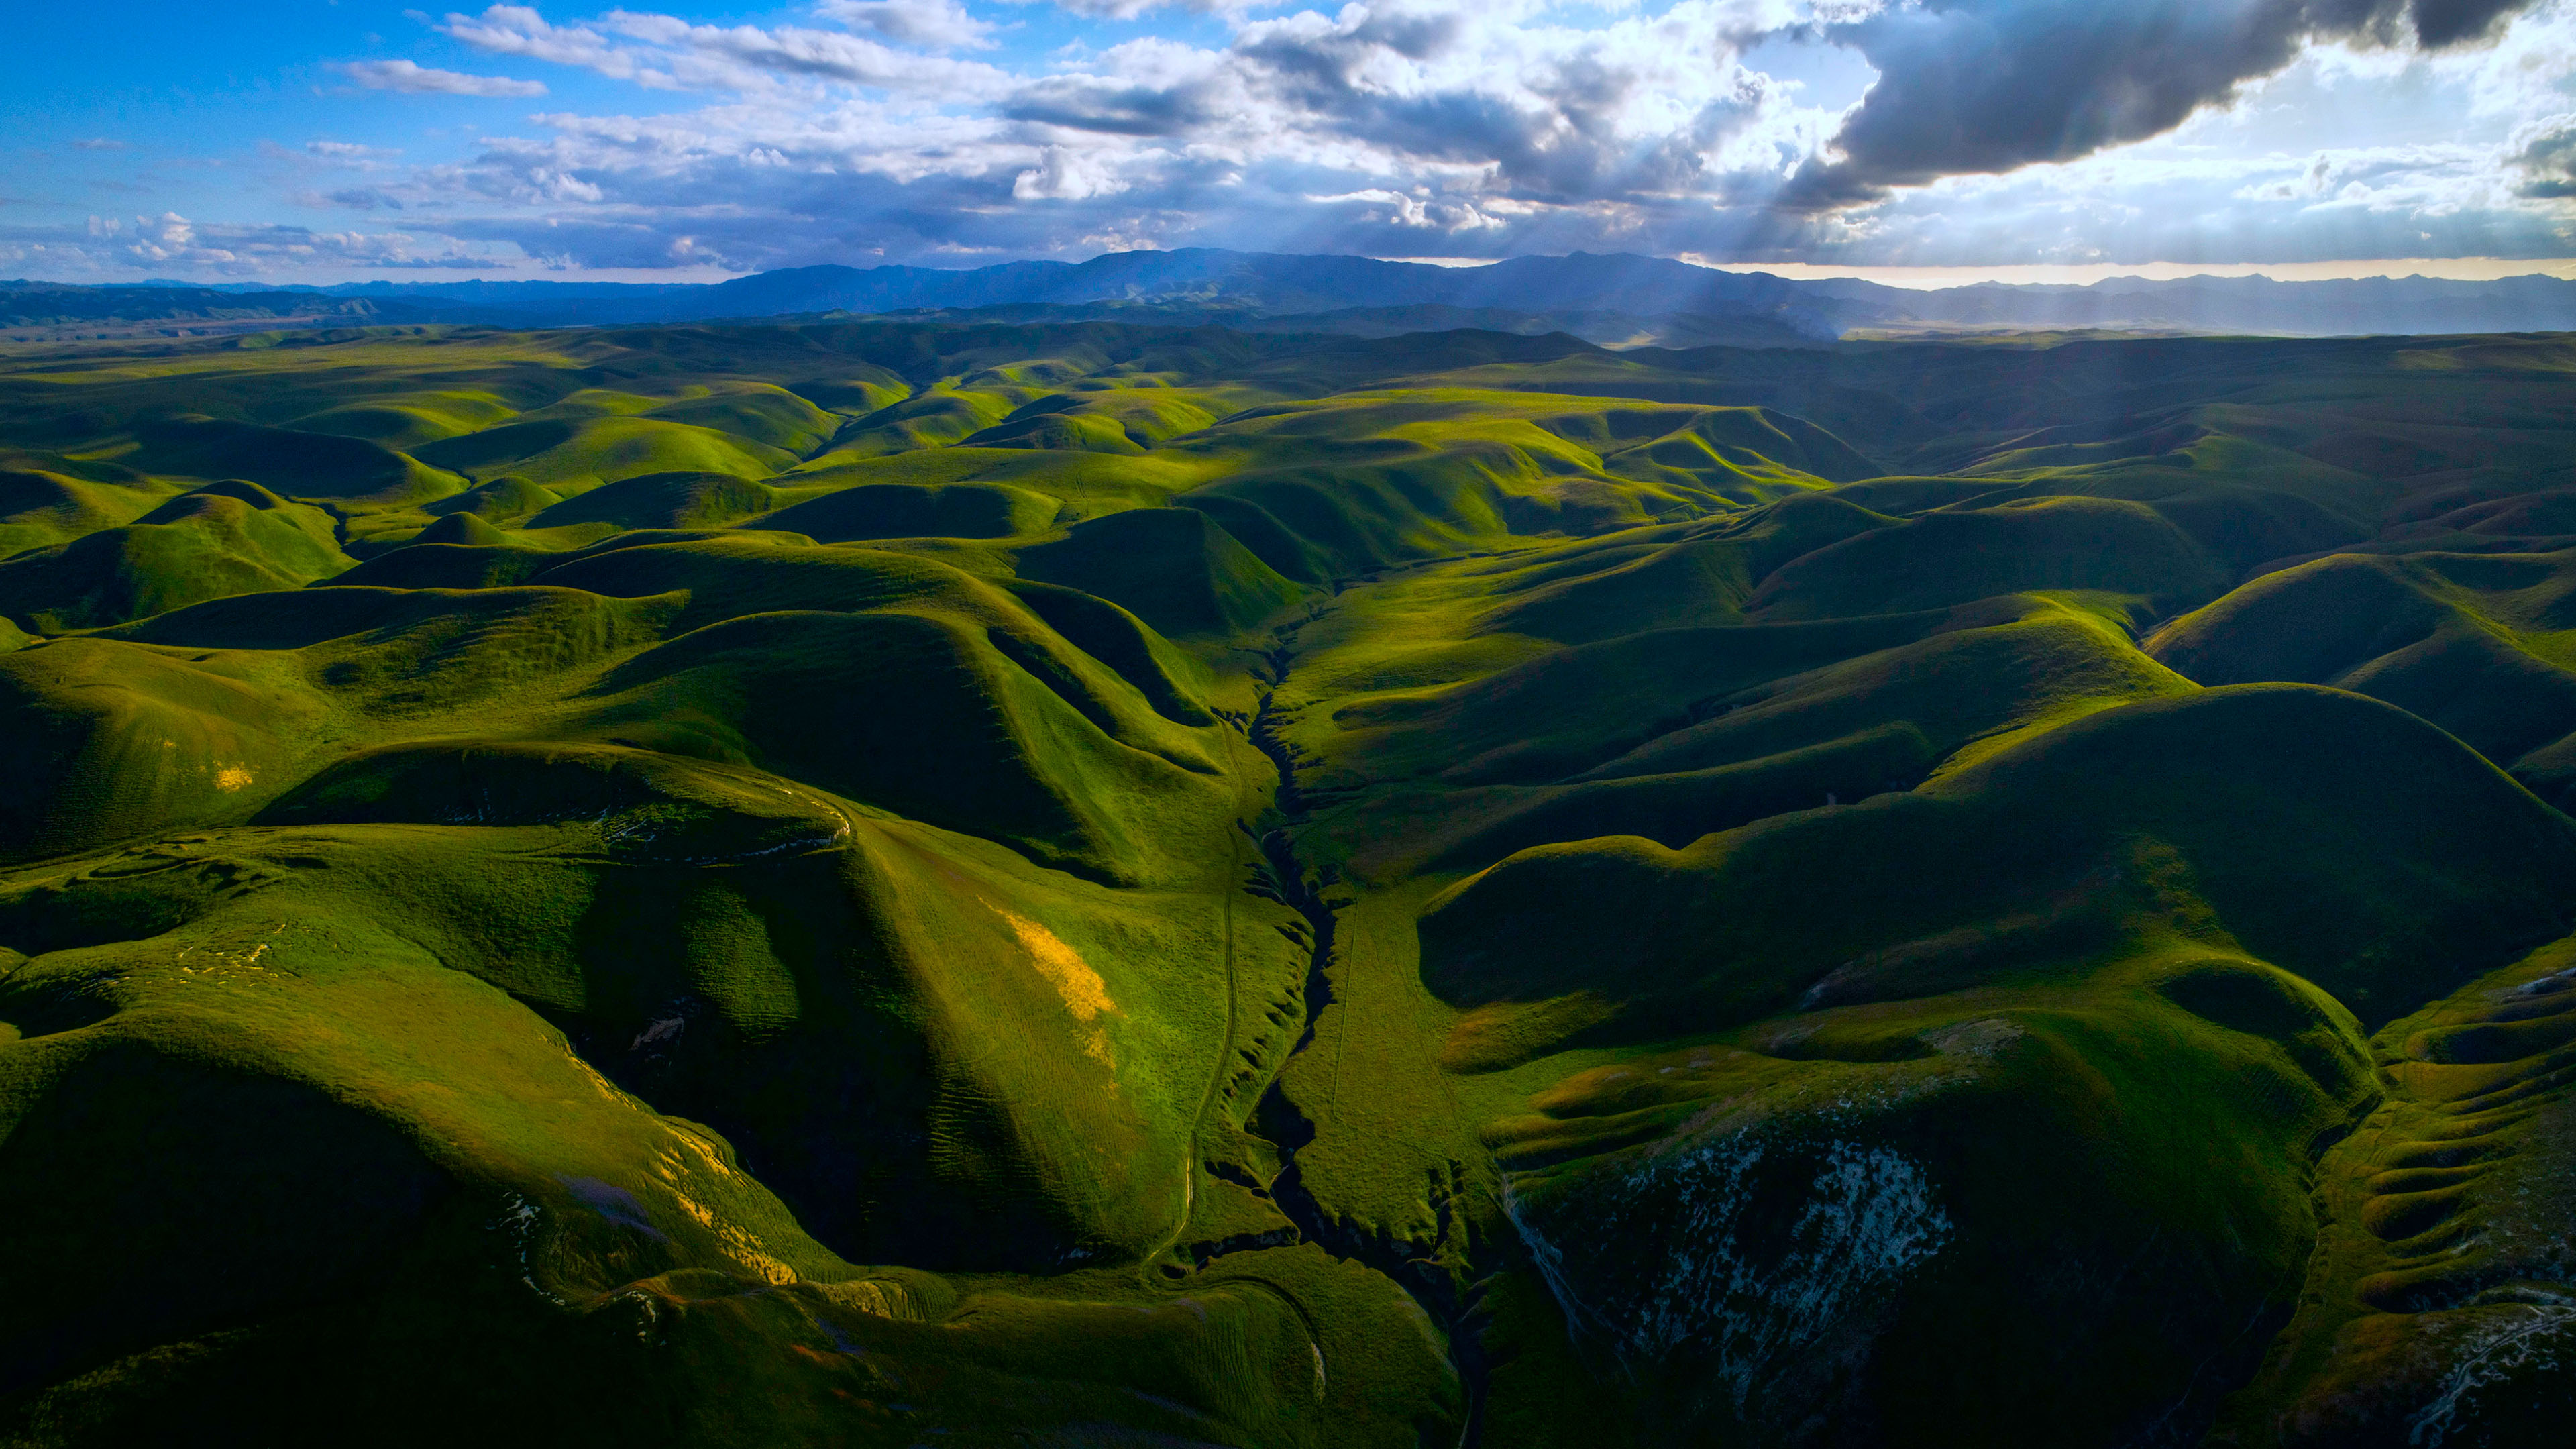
(856, 883)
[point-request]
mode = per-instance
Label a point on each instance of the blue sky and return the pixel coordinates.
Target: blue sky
(334, 140)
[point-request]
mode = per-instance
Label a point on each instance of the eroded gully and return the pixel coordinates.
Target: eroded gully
(1411, 1265)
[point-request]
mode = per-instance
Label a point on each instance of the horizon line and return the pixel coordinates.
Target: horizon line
(1925, 278)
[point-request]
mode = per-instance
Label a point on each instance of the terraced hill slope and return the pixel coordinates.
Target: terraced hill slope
(874, 884)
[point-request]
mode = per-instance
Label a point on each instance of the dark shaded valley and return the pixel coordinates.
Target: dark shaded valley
(1079, 883)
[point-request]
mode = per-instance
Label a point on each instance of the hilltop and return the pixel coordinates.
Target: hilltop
(1150, 882)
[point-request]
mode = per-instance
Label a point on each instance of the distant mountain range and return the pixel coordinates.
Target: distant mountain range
(1615, 300)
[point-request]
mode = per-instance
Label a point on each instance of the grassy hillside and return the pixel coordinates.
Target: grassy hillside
(885, 884)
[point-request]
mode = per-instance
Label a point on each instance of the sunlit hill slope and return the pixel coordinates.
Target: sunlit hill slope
(860, 883)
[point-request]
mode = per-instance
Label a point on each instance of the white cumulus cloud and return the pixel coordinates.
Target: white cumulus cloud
(414, 79)
(921, 24)
(1862, 132)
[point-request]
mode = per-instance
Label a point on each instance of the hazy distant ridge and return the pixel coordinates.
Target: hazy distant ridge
(1601, 297)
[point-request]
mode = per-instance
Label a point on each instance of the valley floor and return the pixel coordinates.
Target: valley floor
(1092, 884)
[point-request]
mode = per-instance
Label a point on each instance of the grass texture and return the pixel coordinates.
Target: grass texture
(863, 883)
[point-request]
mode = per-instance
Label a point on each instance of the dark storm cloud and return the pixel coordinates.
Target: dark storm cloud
(1088, 103)
(2547, 159)
(2441, 23)
(1445, 128)
(1970, 87)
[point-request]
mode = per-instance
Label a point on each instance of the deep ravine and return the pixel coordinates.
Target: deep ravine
(1412, 1266)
